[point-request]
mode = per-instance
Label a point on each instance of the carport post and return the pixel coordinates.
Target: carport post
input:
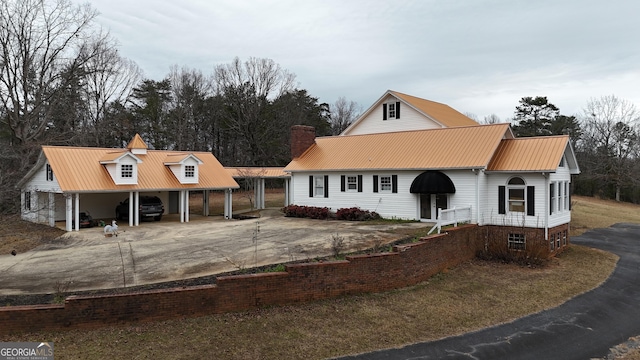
(228, 197)
(52, 209)
(286, 191)
(77, 211)
(186, 206)
(205, 203)
(68, 212)
(131, 212)
(136, 206)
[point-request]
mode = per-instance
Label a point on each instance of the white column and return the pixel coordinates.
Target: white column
(77, 211)
(286, 191)
(205, 203)
(262, 191)
(181, 206)
(228, 200)
(52, 209)
(186, 205)
(132, 209)
(136, 206)
(69, 212)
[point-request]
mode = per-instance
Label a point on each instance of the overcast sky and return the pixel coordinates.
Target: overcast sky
(478, 56)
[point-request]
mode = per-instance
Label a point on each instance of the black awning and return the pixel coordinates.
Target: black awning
(432, 182)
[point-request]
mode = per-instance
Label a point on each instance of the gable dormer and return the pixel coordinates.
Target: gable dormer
(137, 146)
(122, 166)
(184, 167)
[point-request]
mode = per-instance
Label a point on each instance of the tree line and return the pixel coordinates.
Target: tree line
(63, 82)
(605, 137)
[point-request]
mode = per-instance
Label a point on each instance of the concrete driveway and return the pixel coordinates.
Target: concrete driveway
(170, 250)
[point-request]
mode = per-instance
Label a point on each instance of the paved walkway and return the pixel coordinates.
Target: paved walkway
(585, 327)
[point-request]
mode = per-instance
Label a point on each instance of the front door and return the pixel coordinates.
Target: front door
(430, 203)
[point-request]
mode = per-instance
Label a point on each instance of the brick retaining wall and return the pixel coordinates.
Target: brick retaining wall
(406, 265)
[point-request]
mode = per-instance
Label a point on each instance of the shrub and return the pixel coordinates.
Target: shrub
(312, 212)
(356, 214)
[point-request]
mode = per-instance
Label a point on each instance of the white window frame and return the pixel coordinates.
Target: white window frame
(126, 171)
(552, 242)
(385, 184)
(517, 241)
(27, 200)
(352, 183)
(49, 172)
(189, 171)
(510, 201)
(391, 109)
(554, 197)
(318, 186)
(566, 195)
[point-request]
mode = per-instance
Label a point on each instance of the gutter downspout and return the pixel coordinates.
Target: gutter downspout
(477, 173)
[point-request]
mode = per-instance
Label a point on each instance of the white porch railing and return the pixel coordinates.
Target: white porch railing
(451, 217)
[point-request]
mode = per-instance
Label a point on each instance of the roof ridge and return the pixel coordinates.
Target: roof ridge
(414, 131)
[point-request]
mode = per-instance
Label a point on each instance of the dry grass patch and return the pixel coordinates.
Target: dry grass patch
(22, 236)
(472, 296)
(590, 213)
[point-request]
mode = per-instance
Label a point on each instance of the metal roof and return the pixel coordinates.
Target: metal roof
(539, 154)
(261, 172)
(78, 169)
(442, 113)
(137, 143)
(448, 148)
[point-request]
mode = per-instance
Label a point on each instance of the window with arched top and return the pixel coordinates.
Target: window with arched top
(516, 197)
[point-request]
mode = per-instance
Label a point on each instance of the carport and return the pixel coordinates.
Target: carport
(256, 176)
(67, 180)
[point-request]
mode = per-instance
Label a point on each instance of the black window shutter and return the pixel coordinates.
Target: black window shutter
(384, 111)
(326, 186)
(501, 200)
(310, 185)
(394, 183)
(531, 200)
(375, 183)
(398, 110)
(569, 190)
(359, 183)
(342, 183)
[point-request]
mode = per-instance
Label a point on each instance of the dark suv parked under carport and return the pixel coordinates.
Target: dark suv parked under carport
(150, 207)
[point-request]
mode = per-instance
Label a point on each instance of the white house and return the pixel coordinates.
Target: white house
(429, 159)
(68, 180)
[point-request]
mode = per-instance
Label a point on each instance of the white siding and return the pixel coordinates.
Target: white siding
(400, 205)
(564, 216)
(410, 119)
(490, 211)
(39, 182)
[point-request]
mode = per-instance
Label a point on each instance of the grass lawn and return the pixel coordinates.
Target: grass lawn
(471, 296)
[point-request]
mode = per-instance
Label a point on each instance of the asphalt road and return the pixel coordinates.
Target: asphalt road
(585, 327)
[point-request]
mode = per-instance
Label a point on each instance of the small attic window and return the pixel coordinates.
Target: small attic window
(189, 171)
(126, 170)
(391, 110)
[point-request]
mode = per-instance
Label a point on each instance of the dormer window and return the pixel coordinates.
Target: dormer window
(391, 110)
(127, 170)
(189, 171)
(184, 167)
(122, 166)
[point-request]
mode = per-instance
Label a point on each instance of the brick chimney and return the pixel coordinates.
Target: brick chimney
(302, 137)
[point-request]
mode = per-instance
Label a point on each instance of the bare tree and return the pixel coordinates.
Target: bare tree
(109, 79)
(491, 119)
(343, 114)
(266, 78)
(45, 45)
(611, 141)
